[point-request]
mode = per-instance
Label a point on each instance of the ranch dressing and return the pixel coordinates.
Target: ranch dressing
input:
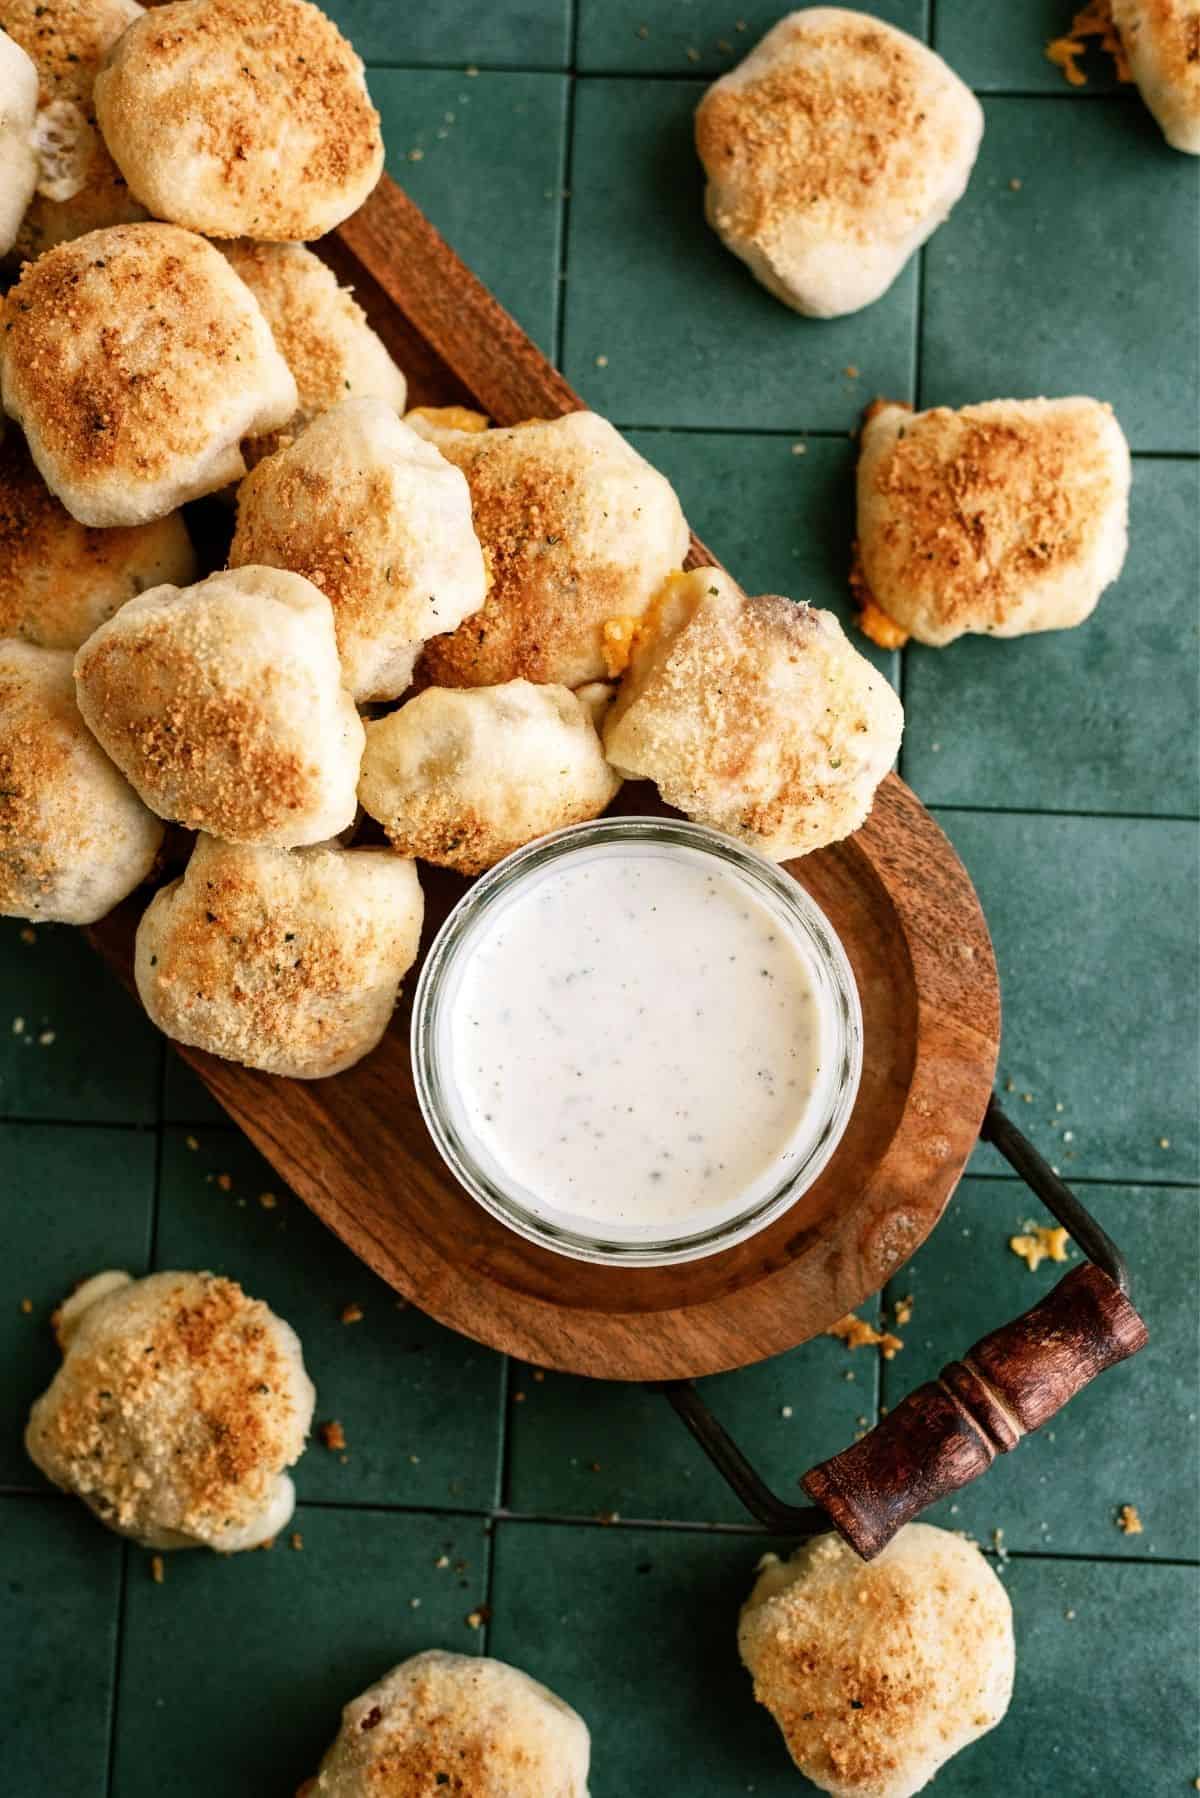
(638, 1041)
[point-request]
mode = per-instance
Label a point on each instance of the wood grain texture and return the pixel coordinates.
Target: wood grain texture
(355, 1147)
(950, 1430)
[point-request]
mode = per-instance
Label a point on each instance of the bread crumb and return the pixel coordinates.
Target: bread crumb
(1128, 1521)
(416, 155)
(27, 1306)
(190, 1142)
(785, 1410)
(1164, 1142)
(46, 1038)
(28, 934)
(539, 1374)
(296, 1541)
(332, 1435)
(352, 1314)
(477, 1618)
(268, 1200)
(225, 1182)
(158, 1572)
(904, 1309)
(1016, 184)
(642, 31)
(855, 1333)
(18, 1026)
(851, 371)
(1042, 1242)
(518, 1398)
(692, 54)
(601, 361)
(442, 1561)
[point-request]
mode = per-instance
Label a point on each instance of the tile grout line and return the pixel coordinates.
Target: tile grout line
(117, 1668)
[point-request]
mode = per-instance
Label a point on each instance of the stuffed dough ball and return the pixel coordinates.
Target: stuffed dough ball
(463, 776)
(223, 705)
(77, 186)
(463, 1724)
(374, 516)
(320, 331)
(136, 361)
(878, 1672)
(754, 716)
(1161, 41)
(1002, 518)
(18, 159)
(577, 529)
(241, 118)
(284, 960)
(179, 1405)
(75, 839)
(59, 579)
(832, 152)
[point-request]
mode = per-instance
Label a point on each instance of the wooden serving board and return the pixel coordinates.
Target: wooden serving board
(356, 1150)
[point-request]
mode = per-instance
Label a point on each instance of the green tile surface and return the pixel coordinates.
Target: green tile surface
(483, 156)
(1071, 720)
(1096, 930)
(689, 336)
(1045, 291)
(1003, 47)
(75, 1202)
(234, 1672)
(1064, 768)
(687, 37)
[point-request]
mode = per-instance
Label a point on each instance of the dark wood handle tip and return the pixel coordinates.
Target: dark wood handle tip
(948, 1432)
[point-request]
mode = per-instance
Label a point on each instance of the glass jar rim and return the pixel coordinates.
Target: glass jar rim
(807, 921)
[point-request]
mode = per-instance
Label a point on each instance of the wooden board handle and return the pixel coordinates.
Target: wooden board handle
(950, 1431)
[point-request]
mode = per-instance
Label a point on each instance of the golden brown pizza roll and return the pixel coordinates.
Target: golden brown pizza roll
(18, 159)
(75, 839)
(285, 960)
(178, 1407)
(754, 716)
(320, 331)
(370, 513)
(1161, 39)
(241, 118)
(78, 186)
(878, 1672)
(475, 1726)
(59, 579)
(578, 529)
(463, 776)
(223, 704)
(1001, 518)
(136, 361)
(832, 152)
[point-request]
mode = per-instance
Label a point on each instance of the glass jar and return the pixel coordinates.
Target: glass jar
(555, 1227)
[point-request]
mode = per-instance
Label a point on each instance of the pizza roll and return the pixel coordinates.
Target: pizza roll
(285, 960)
(371, 514)
(179, 1404)
(18, 159)
(320, 331)
(59, 579)
(241, 118)
(75, 839)
(223, 704)
(1161, 40)
(474, 1725)
(1001, 518)
(754, 716)
(577, 529)
(832, 152)
(136, 361)
(463, 776)
(77, 185)
(878, 1672)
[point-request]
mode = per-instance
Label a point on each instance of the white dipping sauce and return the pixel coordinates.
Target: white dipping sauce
(638, 1041)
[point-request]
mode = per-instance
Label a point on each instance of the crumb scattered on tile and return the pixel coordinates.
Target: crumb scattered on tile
(1040, 1242)
(855, 1332)
(18, 1026)
(352, 1314)
(904, 1309)
(46, 1038)
(225, 1182)
(851, 371)
(191, 1143)
(1128, 1521)
(601, 361)
(785, 1410)
(268, 1200)
(28, 935)
(332, 1435)
(1016, 184)
(158, 1572)
(296, 1541)
(478, 1617)
(27, 1306)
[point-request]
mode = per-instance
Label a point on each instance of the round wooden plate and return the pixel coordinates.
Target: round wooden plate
(356, 1149)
